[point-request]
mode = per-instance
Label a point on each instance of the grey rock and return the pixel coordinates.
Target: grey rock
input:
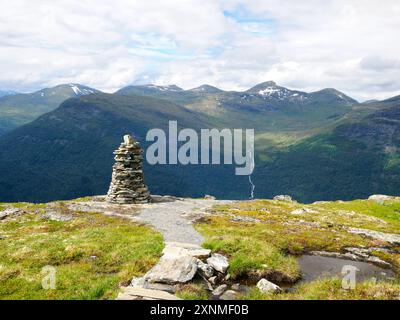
(361, 252)
(387, 237)
(205, 269)
(303, 211)
(266, 286)
(240, 288)
(379, 262)
(208, 197)
(128, 140)
(57, 216)
(219, 290)
(161, 199)
(178, 249)
(229, 295)
(236, 218)
(160, 286)
(213, 280)
(9, 212)
(380, 198)
(283, 198)
(137, 282)
(138, 293)
(171, 271)
(325, 254)
(218, 262)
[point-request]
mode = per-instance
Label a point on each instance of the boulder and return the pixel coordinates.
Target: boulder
(380, 198)
(387, 237)
(218, 262)
(303, 211)
(239, 288)
(283, 198)
(9, 212)
(204, 269)
(266, 286)
(219, 290)
(229, 295)
(171, 271)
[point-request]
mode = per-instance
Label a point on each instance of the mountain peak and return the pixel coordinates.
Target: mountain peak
(262, 86)
(270, 90)
(171, 87)
(67, 90)
(206, 88)
(335, 94)
(81, 90)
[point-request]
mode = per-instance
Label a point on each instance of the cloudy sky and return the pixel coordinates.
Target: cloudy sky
(351, 45)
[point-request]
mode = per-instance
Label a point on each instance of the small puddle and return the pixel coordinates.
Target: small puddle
(314, 267)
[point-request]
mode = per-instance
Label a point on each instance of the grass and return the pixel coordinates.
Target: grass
(269, 248)
(92, 254)
(192, 291)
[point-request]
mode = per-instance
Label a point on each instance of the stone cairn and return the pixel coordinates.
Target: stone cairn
(127, 184)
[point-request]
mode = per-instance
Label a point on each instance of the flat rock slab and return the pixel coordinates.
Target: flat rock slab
(171, 271)
(138, 293)
(9, 212)
(175, 250)
(387, 237)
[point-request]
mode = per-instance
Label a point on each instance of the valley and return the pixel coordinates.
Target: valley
(314, 146)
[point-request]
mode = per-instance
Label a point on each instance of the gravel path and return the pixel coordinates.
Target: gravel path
(171, 216)
(174, 219)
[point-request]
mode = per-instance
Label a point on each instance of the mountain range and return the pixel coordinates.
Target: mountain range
(20, 108)
(4, 93)
(57, 143)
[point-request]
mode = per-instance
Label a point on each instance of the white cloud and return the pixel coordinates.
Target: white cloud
(351, 45)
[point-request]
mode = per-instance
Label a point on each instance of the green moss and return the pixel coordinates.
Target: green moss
(270, 245)
(192, 292)
(93, 254)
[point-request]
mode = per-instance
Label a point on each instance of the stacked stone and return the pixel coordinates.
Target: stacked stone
(127, 184)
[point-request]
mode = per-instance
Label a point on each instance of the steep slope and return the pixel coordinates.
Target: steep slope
(19, 109)
(68, 152)
(354, 160)
(312, 150)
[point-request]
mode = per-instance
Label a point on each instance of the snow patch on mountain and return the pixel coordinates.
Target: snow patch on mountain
(165, 88)
(80, 91)
(281, 93)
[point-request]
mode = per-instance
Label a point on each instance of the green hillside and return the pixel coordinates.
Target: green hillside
(19, 109)
(326, 147)
(353, 160)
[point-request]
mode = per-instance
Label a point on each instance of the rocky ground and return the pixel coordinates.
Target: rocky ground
(234, 250)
